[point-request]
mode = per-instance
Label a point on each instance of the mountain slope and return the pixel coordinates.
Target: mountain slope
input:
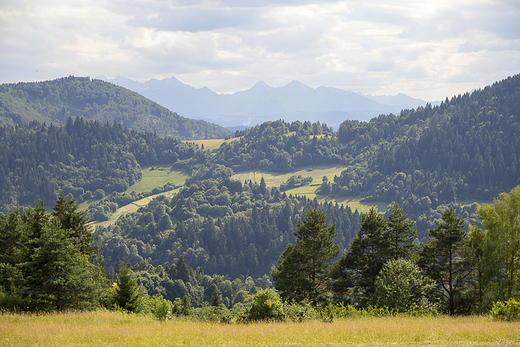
(261, 103)
(56, 100)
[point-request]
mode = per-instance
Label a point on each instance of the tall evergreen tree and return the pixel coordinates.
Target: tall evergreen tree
(400, 233)
(356, 272)
(48, 267)
(127, 296)
(303, 272)
(445, 258)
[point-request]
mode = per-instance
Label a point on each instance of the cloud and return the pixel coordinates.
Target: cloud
(427, 49)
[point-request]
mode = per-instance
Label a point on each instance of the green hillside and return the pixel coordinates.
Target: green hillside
(186, 217)
(56, 100)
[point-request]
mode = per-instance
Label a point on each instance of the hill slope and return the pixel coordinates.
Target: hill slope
(56, 100)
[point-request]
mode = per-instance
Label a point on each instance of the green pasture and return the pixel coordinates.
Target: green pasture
(273, 179)
(317, 172)
(157, 176)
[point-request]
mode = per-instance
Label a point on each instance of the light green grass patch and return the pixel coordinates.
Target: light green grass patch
(157, 176)
(142, 202)
(273, 179)
(354, 203)
(212, 143)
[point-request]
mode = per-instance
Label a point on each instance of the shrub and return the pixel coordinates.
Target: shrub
(506, 310)
(266, 305)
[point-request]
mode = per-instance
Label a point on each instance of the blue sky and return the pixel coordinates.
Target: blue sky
(426, 49)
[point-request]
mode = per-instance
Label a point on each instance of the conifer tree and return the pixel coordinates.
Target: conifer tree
(445, 258)
(303, 272)
(400, 234)
(127, 296)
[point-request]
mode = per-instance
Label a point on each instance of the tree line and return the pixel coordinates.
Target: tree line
(79, 158)
(454, 271)
(48, 261)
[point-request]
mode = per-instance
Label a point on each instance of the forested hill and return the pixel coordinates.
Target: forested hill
(56, 100)
(38, 160)
(464, 149)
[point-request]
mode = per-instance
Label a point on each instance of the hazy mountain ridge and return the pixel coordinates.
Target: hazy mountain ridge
(260, 103)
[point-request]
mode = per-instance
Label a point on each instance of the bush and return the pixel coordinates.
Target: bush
(266, 305)
(506, 310)
(401, 286)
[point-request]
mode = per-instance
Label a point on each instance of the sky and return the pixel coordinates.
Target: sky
(426, 49)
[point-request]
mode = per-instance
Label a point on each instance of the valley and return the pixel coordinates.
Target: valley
(195, 215)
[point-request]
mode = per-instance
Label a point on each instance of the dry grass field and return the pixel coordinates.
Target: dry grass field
(212, 143)
(115, 329)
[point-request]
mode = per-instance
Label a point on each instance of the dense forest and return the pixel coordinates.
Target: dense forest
(57, 100)
(223, 226)
(79, 158)
(430, 165)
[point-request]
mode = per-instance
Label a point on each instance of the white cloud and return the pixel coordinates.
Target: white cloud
(427, 49)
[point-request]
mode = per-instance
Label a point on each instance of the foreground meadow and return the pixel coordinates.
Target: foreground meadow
(116, 329)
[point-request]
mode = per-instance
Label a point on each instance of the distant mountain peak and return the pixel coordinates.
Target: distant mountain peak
(261, 102)
(261, 84)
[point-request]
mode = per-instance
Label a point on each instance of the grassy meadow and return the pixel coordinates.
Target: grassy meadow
(157, 176)
(103, 328)
(317, 172)
(212, 143)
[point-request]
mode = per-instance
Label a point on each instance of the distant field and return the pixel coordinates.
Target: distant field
(275, 179)
(132, 207)
(316, 172)
(153, 177)
(105, 328)
(213, 143)
(157, 176)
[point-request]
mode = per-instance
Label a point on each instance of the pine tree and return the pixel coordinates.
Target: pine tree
(303, 272)
(400, 234)
(445, 258)
(127, 296)
(356, 272)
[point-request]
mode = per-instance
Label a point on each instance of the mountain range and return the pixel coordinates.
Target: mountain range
(295, 101)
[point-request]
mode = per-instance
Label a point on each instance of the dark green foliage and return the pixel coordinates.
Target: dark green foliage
(303, 272)
(403, 287)
(400, 234)
(445, 258)
(127, 292)
(82, 158)
(295, 182)
(356, 272)
(219, 225)
(51, 264)
(215, 298)
(55, 101)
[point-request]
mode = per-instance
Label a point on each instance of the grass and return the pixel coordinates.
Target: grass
(104, 328)
(157, 176)
(213, 143)
(132, 207)
(275, 179)
(316, 172)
